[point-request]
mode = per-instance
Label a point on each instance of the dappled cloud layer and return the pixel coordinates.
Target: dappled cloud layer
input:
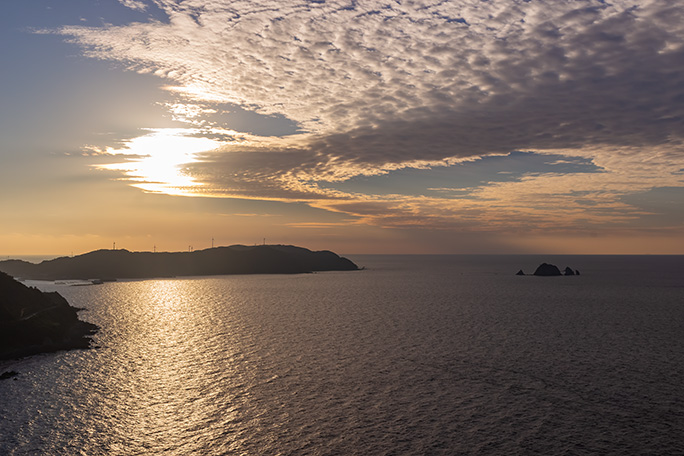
(375, 87)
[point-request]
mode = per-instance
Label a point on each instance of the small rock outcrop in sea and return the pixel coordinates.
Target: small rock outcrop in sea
(32, 322)
(520, 272)
(9, 374)
(546, 269)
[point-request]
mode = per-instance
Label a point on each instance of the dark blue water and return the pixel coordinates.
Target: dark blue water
(414, 355)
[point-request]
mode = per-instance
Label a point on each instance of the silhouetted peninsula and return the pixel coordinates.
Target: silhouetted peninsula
(236, 259)
(32, 321)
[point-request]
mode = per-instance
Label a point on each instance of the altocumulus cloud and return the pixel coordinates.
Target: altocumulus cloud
(378, 86)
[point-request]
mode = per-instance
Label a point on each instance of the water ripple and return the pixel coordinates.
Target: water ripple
(434, 359)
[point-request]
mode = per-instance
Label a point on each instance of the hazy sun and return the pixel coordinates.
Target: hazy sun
(154, 162)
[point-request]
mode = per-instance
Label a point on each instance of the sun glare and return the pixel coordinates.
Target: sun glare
(154, 161)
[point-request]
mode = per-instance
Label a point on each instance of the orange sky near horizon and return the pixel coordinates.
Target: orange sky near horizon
(379, 127)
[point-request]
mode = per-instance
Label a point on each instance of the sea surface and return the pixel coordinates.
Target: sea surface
(415, 355)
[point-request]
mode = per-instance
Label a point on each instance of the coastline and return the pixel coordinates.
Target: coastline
(35, 322)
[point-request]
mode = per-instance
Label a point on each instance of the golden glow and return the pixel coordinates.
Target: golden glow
(203, 92)
(154, 161)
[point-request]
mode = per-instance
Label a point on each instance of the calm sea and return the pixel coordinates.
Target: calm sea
(416, 355)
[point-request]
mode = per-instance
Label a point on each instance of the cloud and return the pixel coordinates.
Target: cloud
(378, 86)
(134, 4)
(342, 67)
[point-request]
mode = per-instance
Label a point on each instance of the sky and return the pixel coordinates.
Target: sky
(464, 126)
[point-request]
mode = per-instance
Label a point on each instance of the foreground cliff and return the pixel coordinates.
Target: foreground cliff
(34, 322)
(237, 259)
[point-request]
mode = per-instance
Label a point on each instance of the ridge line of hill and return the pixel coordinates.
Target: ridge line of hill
(236, 259)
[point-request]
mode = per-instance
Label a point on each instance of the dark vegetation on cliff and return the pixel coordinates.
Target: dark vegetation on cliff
(237, 259)
(32, 321)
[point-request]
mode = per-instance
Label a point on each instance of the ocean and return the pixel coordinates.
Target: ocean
(415, 355)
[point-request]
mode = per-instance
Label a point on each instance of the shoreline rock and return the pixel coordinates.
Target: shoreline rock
(33, 322)
(9, 374)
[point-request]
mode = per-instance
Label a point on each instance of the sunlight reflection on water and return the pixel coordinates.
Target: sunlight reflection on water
(439, 357)
(171, 362)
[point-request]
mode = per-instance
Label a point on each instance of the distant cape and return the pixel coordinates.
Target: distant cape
(236, 259)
